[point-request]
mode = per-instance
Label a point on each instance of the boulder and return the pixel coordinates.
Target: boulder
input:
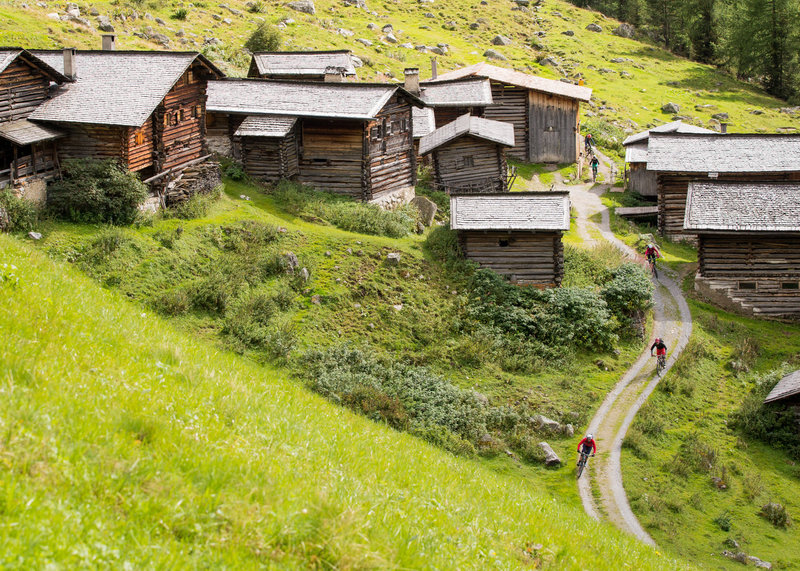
(305, 6)
(427, 209)
(523, 2)
(759, 563)
(429, 15)
(624, 31)
(292, 263)
(438, 51)
(549, 60)
(387, 29)
(568, 33)
(372, 26)
(550, 457)
(390, 38)
(160, 22)
(356, 61)
(670, 108)
(160, 39)
(304, 274)
(407, 46)
(357, 3)
(316, 299)
(104, 24)
(34, 236)
(541, 422)
(739, 556)
(54, 16)
(393, 258)
(569, 430)
(501, 41)
(474, 26)
(492, 54)
(92, 11)
(364, 41)
(594, 27)
(720, 116)
(345, 32)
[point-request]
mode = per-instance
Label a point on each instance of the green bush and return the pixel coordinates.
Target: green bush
(180, 14)
(256, 7)
(265, 38)
(107, 242)
(723, 521)
(214, 292)
(629, 294)
(232, 169)
(172, 303)
(776, 514)
(96, 191)
(20, 215)
(248, 319)
(378, 406)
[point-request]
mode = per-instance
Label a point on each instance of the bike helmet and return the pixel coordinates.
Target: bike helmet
(650, 245)
(590, 436)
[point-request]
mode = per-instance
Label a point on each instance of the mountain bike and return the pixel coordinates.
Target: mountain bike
(582, 463)
(652, 261)
(661, 364)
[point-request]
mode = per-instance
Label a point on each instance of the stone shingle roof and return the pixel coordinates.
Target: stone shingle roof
(114, 87)
(360, 101)
(732, 153)
(266, 126)
(23, 132)
(543, 211)
(742, 207)
(302, 63)
(494, 131)
(511, 77)
(9, 55)
(468, 92)
(636, 153)
(788, 386)
(423, 120)
(673, 127)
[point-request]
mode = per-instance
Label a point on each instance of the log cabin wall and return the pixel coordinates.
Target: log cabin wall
(444, 115)
(270, 159)
(526, 258)
(220, 128)
(22, 89)
(331, 156)
(92, 141)
(140, 147)
(553, 128)
(469, 162)
(511, 106)
(673, 188)
(641, 180)
(389, 150)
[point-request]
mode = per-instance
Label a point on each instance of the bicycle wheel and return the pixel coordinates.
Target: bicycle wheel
(581, 464)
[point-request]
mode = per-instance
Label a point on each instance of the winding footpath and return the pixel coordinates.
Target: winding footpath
(601, 488)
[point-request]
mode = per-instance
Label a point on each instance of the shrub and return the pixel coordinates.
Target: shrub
(443, 438)
(776, 514)
(17, 214)
(752, 486)
(248, 319)
(256, 7)
(378, 406)
(695, 455)
(96, 191)
(265, 38)
(173, 302)
(648, 421)
(214, 292)
(629, 294)
(180, 14)
(723, 521)
(108, 241)
(233, 170)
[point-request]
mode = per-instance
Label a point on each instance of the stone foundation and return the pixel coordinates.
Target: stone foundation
(32, 188)
(395, 199)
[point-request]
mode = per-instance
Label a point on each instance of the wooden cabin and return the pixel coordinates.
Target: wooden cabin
(545, 112)
(28, 156)
(515, 234)
(637, 177)
(269, 147)
(748, 237)
(350, 138)
(144, 108)
(682, 158)
(787, 392)
(332, 66)
(468, 155)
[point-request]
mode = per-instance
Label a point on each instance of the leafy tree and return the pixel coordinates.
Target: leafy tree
(265, 38)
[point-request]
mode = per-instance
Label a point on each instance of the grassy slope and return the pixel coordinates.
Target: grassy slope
(124, 441)
(635, 101)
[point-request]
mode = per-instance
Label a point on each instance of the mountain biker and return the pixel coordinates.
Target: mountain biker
(595, 164)
(659, 346)
(587, 444)
(651, 253)
(588, 142)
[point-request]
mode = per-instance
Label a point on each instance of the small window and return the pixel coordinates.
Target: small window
(196, 112)
(404, 125)
(468, 162)
(503, 243)
(747, 285)
(397, 127)
(139, 138)
(375, 134)
(790, 285)
(189, 77)
(182, 115)
(166, 119)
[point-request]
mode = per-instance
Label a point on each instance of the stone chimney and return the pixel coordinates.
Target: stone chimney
(109, 42)
(723, 128)
(411, 83)
(334, 74)
(69, 62)
(434, 70)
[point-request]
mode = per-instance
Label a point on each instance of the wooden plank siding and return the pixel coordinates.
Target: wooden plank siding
(331, 155)
(22, 89)
(553, 128)
(444, 115)
(526, 258)
(182, 114)
(470, 163)
(511, 106)
(270, 159)
(390, 158)
(641, 180)
(140, 147)
(743, 256)
(92, 141)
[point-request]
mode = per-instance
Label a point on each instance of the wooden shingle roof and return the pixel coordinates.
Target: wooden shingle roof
(788, 386)
(115, 87)
(10, 55)
(467, 125)
(511, 77)
(361, 101)
(731, 153)
(423, 120)
(266, 126)
(742, 207)
(673, 127)
(542, 211)
(302, 63)
(468, 92)
(23, 132)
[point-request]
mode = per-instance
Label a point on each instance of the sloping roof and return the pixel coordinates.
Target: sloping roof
(360, 101)
(302, 63)
(673, 127)
(788, 386)
(636, 153)
(266, 126)
(9, 55)
(23, 132)
(423, 120)
(520, 79)
(545, 211)
(494, 131)
(114, 87)
(732, 153)
(468, 92)
(743, 207)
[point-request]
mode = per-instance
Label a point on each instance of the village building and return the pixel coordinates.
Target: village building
(468, 155)
(350, 138)
(332, 66)
(682, 158)
(144, 108)
(515, 234)
(637, 176)
(28, 155)
(544, 112)
(748, 236)
(787, 392)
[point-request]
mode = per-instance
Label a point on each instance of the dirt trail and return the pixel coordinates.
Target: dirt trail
(601, 489)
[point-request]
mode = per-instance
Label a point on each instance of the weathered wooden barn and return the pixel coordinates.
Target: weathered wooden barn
(637, 177)
(748, 238)
(144, 108)
(468, 155)
(544, 112)
(331, 66)
(28, 156)
(350, 138)
(787, 392)
(682, 158)
(515, 234)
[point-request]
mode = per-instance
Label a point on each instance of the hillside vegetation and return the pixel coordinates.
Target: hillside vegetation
(188, 456)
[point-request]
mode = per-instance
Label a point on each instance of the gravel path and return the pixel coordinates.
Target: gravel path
(601, 488)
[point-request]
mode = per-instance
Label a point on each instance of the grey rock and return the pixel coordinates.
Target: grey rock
(304, 274)
(212, 41)
(756, 112)
(94, 11)
(387, 29)
(407, 46)
(54, 16)
(305, 6)
(160, 22)
(77, 20)
(438, 51)
(541, 422)
(292, 263)
(625, 74)
(41, 4)
(739, 556)
(474, 26)
(569, 430)
(485, 440)
(227, 21)
(492, 54)
(549, 60)
(216, 17)
(345, 32)
(328, 254)
(427, 209)
(568, 33)
(624, 31)
(73, 10)
(316, 299)
(34, 235)
(422, 49)
(160, 39)
(428, 15)
(550, 457)
(594, 27)
(670, 108)
(501, 41)
(393, 258)
(398, 307)
(364, 41)
(390, 38)
(105, 26)
(620, 60)
(357, 3)
(419, 227)
(289, 21)
(720, 116)
(356, 61)
(180, 33)
(372, 26)
(523, 2)
(450, 25)
(758, 562)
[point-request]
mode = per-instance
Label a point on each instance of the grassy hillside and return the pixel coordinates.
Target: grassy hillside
(631, 80)
(125, 443)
